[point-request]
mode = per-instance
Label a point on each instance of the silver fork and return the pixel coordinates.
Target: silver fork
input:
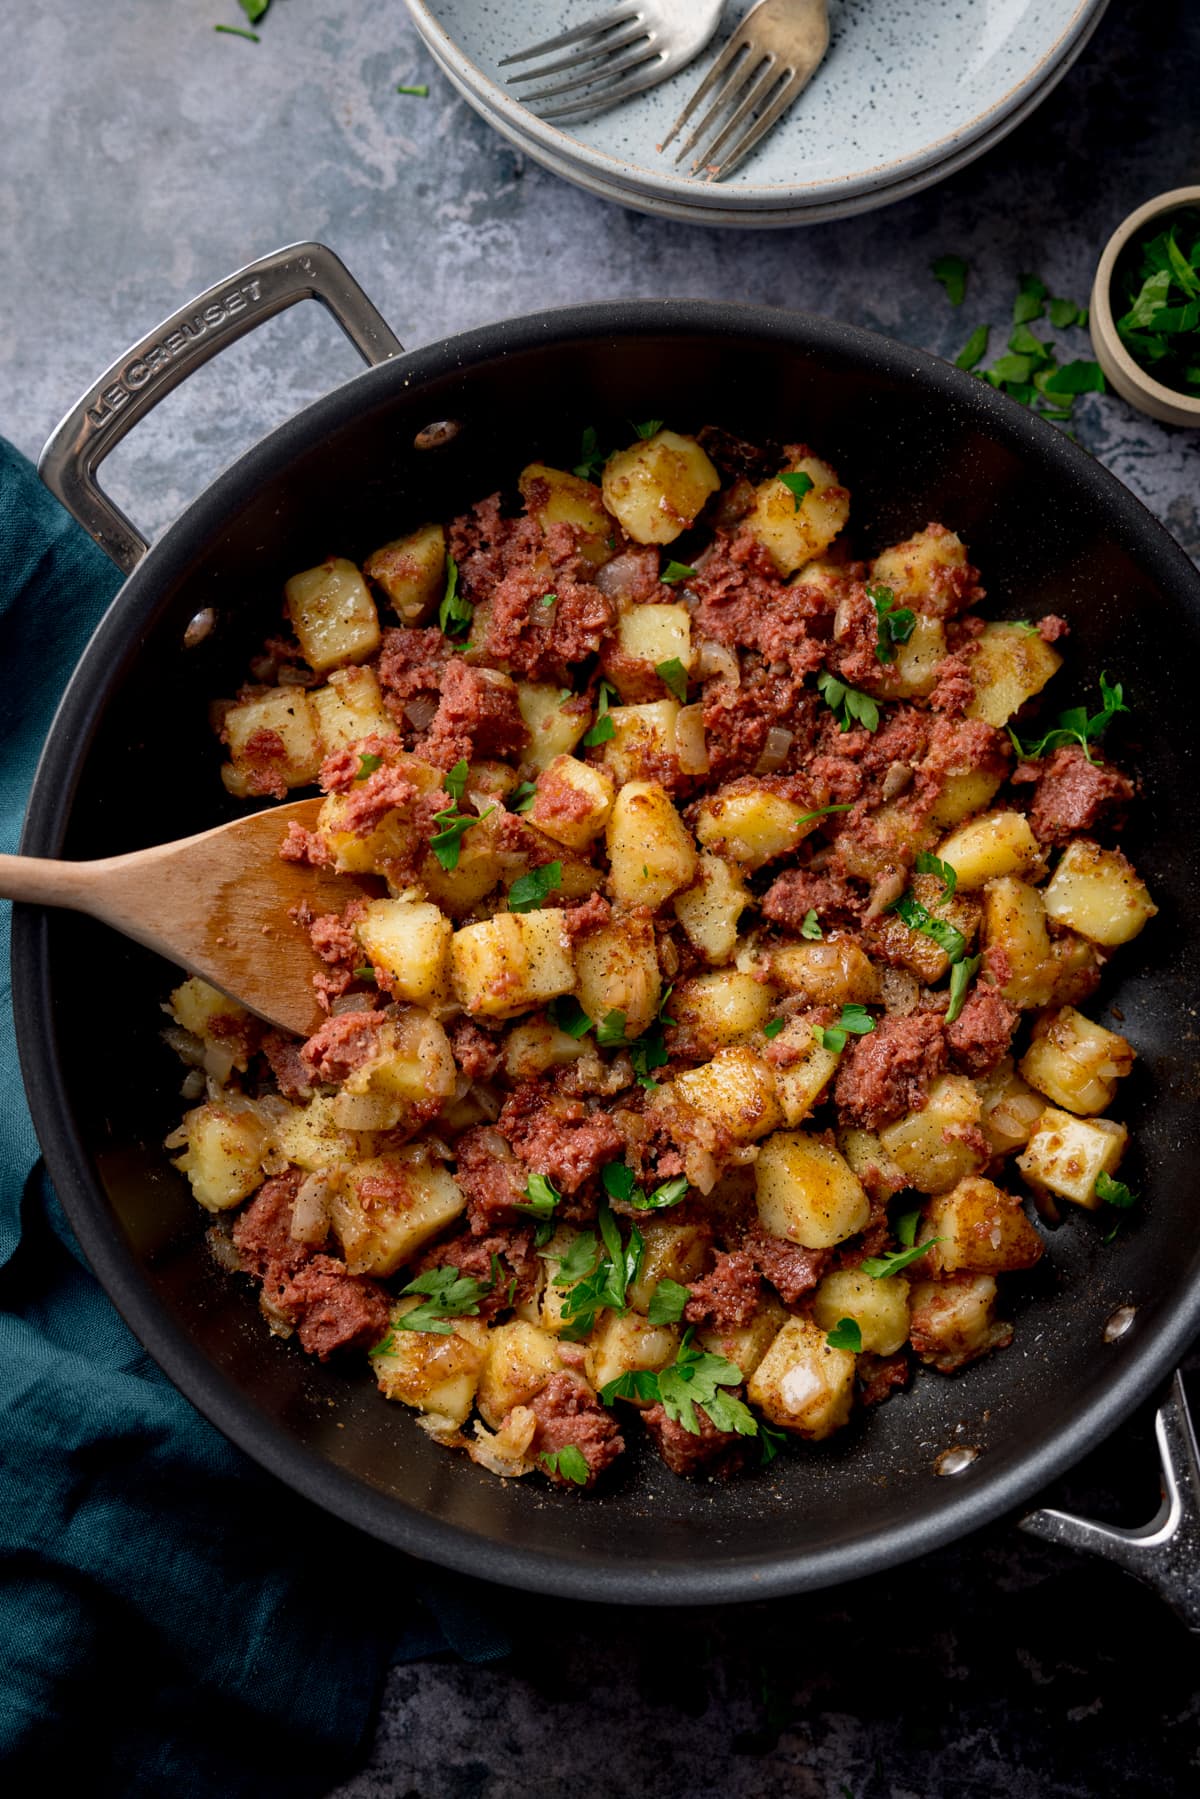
(630, 49)
(768, 61)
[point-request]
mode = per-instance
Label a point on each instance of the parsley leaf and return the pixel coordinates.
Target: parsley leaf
(651, 428)
(591, 457)
(254, 9)
(528, 891)
(675, 572)
(894, 624)
(1074, 726)
(975, 348)
(541, 1197)
(847, 704)
(448, 1296)
(610, 1029)
(951, 271)
(667, 1194)
(961, 975)
(1076, 378)
(1030, 302)
(236, 31)
(603, 728)
(770, 1442)
(456, 781)
(855, 1021)
(419, 89)
(447, 843)
(570, 1016)
(522, 796)
(548, 599)
(605, 1287)
(947, 936)
(667, 1302)
(569, 1461)
(806, 818)
(365, 972)
(456, 611)
(1064, 313)
(798, 484)
(367, 764)
(906, 1228)
(647, 1052)
(1114, 1193)
(697, 1378)
(673, 674)
(773, 1027)
(929, 864)
(880, 1268)
(810, 930)
(846, 1334)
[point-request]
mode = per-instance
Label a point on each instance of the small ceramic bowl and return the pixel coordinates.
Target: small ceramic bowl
(1126, 376)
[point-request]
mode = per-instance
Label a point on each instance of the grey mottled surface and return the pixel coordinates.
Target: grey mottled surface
(142, 157)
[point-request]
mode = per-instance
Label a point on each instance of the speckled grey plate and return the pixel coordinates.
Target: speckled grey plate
(905, 90)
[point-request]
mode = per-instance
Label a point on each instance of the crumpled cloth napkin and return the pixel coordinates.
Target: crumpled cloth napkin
(172, 1619)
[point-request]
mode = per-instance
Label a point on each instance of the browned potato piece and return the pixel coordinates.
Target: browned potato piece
(1075, 1062)
(650, 850)
(658, 486)
(437, 1375)
(927, 571)
(795, 529)
(274, 741)
(835, 972)
(1064, 1155)
(1098, 893)
(936, 1147)
(385, 1208)
(572, 802)
(981, 1229)
(411, 571)
(710, 908)
(807, 1192)
(676, 1252)
(953, 1321)
(878, 1307)
(511, 962)
(802, 1384)
(332, 614)
(616, 970)
(521, 1358)
(719, 1008)
(552, 496)
(1009, 666)
(736, 1091)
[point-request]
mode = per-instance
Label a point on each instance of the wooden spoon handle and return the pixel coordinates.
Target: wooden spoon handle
(41, 881)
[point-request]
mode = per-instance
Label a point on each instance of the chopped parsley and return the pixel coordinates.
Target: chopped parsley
(693, 1378)
(1114, 1193)
(848, 706)
(610, 1029)
(893, 624)
(961, 975)
(570, 1462)
(419, 90)
(254, 9)
(607, 1278)
(1030, 300)
(880, 1268)
(570, 1016)
(447, 843)
(1075, 726)
(455, 781)
(1158, 284)
(906, 1228)
(619, 1182)
(651, 428)
(529, 890)
(649, 1051)
(929, 864)
(675, 572)
(1028, 370)
(456, 611)
(548, 599)
(806, 818)
(236, 31)
(667, 1302)
(364, 972)
(846, 1334)
(975, 348)
(446, 1295)
(674, 675)
(773, 1027)
(797, 484)
(770, 1441)
(522, 796)
(951, 271)
(367, 764)
(918, 918)
(591, 457)
(811, 928)
(603, 728)
(541, 1197)
(855, 1021)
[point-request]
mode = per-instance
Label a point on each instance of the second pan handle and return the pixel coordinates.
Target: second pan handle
(137, 381)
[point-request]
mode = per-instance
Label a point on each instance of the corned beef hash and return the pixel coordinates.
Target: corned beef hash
(720, 1003)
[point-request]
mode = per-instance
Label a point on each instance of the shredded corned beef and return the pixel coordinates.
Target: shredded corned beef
(887, 1073)
(557, 1137)
(570, 1416)
(1072, 794)
(342, 1044)
(980, 1036)
(728, 1295)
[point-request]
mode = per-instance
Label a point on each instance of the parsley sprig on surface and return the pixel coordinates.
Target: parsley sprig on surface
(603, 728)
(569, 1461)
(529, 890)
(849, 706)
(446, 1295)
(894, 624)
(919, 918)
(855, 1021)
(597, 1276)
(694, 1378)
(929, 864)
(456, 611)
(675, 572)
(591, 457)
(846, 1334)
(673, 674)
(619, 1182)
(1075, 725)
(1029, 370)
(446, 844)
(1158, 284)
(798, 484)
(951, 271)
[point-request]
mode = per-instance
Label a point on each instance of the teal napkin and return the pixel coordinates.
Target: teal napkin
(172, 1620)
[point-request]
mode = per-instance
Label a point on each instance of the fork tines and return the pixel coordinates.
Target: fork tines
(754, 82)
(598, 43)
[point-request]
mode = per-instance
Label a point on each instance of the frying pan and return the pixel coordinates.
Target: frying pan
(130, 760)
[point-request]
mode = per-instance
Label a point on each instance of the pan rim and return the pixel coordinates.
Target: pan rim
(1146, 1362)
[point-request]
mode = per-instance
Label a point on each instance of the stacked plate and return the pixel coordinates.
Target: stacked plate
(906, 95)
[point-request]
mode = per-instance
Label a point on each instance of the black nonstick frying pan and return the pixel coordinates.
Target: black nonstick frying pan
(130, 761)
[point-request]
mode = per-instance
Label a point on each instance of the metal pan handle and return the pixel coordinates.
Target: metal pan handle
(137, 381)
(1165, 1553)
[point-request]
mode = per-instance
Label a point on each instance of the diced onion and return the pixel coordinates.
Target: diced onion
(775, 750)
(310, 1209)
(419, 711)
(719, 660)
(690, 745)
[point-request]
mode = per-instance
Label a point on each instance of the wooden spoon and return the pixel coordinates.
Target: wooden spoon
(216, 904)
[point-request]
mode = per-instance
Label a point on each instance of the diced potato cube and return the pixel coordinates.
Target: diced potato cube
(349, 708)
(953, 1321)
(534, 1048)
(554, 497)
(647, 635)
(884, 845)
(226, 1145)
(438, 1375)
(511, 962)
(213, 1017)
(1014, 922)
(572, 802)
(412, 1062)
(794, 531)
(311, 1138)
(719, 1008)
(980, 1229)
(658, 486)
(1009, 666)
(676, 1252)
(386, 1208)
(802, 1384)
(807, 1192)
(711, 907)
(626, 1341)
(1011, 1109)
(749, 824)
(1065, 1154)
(554, 730)
(1075, 1062)
(996, 843)
(332, 614)
(736, 1090)
(484, 858)
(616, 970)
(650, 850)
(963, 794)
(411, 571)
(800, 1082)
(745, 1347)
(393, 840)
(879, 1308)
(521, 1358)
(834, 972)
(916, 664)
(936, 1147)
(643, 740)
(927, 570)
(410, 941)
(875, 1168)
(1098, 893)
(903, 945)
(273, 740)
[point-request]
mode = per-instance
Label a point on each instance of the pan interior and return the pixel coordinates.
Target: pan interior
(132, 761)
